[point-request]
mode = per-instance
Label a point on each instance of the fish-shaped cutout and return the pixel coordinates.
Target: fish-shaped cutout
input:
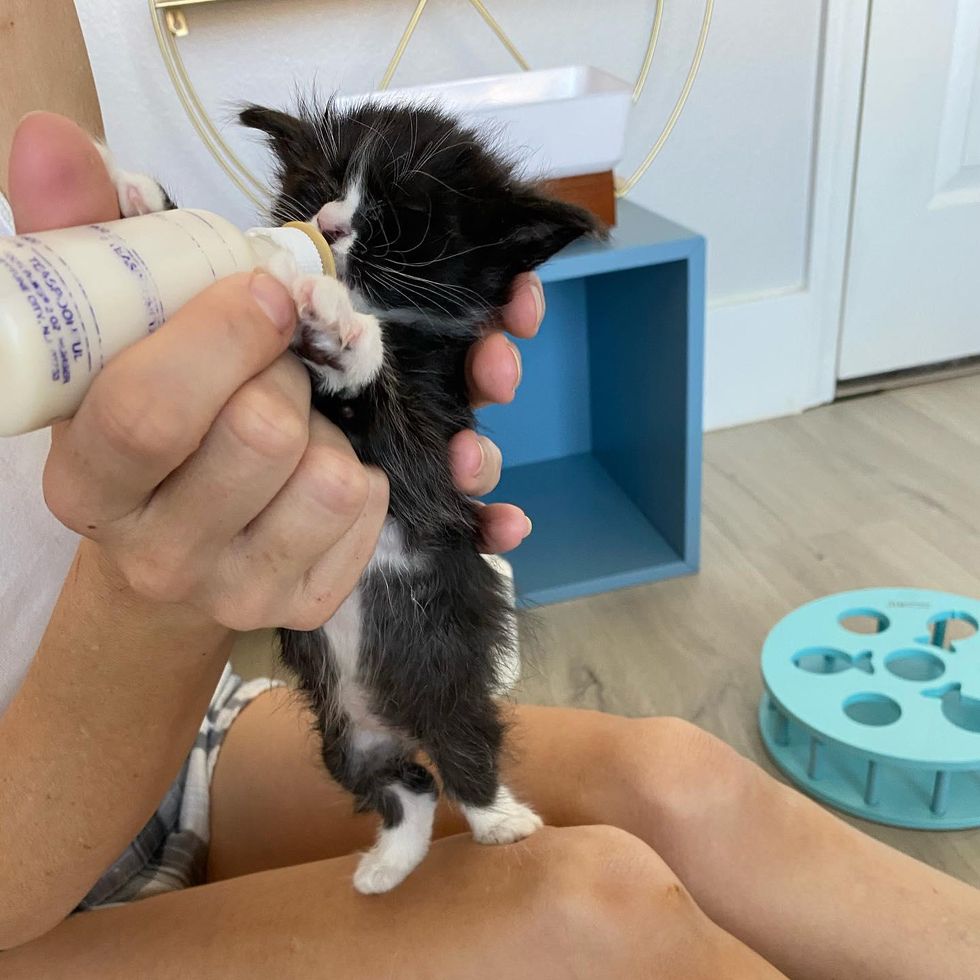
(825, 660)
(962, 711)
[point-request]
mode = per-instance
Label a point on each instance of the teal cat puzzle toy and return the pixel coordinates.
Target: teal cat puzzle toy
(872, 705)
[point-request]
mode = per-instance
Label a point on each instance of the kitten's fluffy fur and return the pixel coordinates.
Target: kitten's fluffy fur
(429, 227)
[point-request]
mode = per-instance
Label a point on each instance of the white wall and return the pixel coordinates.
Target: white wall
(738, 167)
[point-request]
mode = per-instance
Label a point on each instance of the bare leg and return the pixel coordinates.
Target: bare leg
(587, 902)
(774, 869)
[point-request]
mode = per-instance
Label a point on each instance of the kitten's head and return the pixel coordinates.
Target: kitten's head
(420, 213)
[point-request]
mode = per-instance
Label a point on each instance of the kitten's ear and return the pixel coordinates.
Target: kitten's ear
(543, 226)
(287, 135)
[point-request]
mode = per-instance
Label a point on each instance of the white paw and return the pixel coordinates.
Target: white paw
(506, 829)
(503, 822)
(378, 873)
(399, 850)
(137, 193)
(343, 347)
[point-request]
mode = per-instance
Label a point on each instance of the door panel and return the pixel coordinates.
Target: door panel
(913, 286)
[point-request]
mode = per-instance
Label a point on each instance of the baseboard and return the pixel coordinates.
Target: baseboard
(763, 360)
(943, 371)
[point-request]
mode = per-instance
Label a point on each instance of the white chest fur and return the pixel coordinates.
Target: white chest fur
(345, 629)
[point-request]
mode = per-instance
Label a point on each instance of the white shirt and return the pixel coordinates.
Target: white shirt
(35, 555)
(35, 550)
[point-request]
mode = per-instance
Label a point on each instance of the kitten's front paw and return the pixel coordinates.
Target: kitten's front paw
(137, 193)
(342, 347)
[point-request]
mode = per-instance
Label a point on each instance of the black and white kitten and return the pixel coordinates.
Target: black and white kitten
(429, 227)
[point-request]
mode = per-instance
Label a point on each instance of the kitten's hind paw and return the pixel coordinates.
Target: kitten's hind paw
(506, 820)
(378, 873)
(399, 850)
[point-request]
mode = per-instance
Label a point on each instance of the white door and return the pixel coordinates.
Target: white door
(913, 279)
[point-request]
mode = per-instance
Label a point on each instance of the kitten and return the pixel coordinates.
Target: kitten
(428, 227)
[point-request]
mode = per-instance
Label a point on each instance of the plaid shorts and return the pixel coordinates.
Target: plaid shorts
(171, 851)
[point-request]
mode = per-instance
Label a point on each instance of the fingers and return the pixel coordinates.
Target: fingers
(57, 178)
(523, 314)
(319, 531)
(476, 463)
(493, 366)
(333, 577)
(315, 508)
(252, 449)
(503, 527)
(493, 370)
(153, 404)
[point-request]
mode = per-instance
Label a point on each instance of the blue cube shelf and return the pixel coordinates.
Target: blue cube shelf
(603, 441)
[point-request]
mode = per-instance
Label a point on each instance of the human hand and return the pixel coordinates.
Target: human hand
(494, 372)
(194, 462)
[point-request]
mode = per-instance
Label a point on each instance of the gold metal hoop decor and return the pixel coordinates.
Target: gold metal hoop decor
(176, 26)
(169, 23)
(624, 187)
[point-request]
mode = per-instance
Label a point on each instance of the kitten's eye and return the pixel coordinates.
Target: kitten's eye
(417, 206)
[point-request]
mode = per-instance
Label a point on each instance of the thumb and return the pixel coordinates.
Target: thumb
(57, 177)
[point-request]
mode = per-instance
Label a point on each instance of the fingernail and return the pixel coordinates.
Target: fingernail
(530, 526)
(481, 442)
(538, 291)
(517, 361)
(271, 295)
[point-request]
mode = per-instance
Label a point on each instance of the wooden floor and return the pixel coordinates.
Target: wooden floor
(874, 491)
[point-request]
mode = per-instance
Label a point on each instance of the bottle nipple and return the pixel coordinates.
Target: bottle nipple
(322, 246)
(302, 239)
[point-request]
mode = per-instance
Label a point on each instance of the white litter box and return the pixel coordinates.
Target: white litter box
(560, 122)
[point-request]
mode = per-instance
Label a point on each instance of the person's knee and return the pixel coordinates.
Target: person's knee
(681, 771)
(599, 890)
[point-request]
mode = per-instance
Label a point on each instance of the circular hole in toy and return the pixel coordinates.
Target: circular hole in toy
(915, 665)
(822, 660)
(864, 621)
(872, 709)
(948, 628)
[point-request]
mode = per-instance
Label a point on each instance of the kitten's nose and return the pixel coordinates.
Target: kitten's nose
(333, 222)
